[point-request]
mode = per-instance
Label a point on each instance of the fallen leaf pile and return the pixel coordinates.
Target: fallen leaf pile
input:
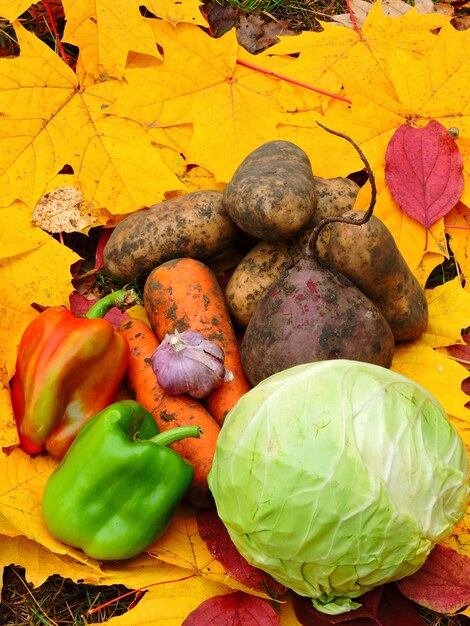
(156, 107)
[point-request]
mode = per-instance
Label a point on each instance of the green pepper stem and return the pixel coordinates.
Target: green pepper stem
(100, 308)
(166, 437)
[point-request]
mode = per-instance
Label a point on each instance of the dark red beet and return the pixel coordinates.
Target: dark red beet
(312, 313)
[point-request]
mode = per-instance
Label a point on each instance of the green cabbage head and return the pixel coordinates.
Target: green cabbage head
(337, 476)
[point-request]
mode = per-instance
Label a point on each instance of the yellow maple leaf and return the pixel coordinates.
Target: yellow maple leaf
(54, 121)
(436, 373)
(459, 540)
(429, 262)
(40, 563)
(232, 109)
(361, 55)
(458, 228)
(12, 9)
(143, 570)
(23, 481)
(176, 12)
(449, 314)
(7, 529)
(181, 545)
(8, 432)
(40, 274)
(106, 31)
(170, 604)
(361, 63)
(152, 92)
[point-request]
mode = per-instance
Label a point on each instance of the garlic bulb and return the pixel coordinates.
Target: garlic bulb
(188, 363)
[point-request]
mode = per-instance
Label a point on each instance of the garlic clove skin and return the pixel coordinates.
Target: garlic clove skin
(187, 363)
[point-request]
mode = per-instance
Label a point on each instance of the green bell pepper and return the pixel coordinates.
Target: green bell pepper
(118, 486)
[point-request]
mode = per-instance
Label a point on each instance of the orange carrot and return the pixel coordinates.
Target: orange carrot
(170, 411)
(184, 294)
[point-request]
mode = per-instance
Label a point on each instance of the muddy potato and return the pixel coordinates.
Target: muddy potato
(272, 193)
(335, 196)
(192, 225)
(258, 269)
(369, 257)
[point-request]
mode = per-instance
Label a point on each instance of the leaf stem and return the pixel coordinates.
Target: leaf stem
(312, 241)
(353, 18)
(455, 358)
(53, 26)
(129, 593)
(291, 80)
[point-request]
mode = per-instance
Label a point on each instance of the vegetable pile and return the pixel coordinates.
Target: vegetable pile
(268, 382)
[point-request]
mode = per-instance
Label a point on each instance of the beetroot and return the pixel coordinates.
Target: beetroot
(312, 313)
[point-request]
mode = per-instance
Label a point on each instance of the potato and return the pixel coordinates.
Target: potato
(335, 196)
(258, 269)
(312, 313)
(369, 257)
(272, 193)
(192, 225)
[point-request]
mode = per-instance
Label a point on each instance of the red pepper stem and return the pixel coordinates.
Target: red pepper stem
(168, 437)
(100, 308)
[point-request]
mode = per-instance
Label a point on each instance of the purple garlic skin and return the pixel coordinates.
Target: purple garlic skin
(187, 363)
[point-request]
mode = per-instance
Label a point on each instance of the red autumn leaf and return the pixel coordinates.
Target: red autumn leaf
(222, 548)
(233, 609)
(442, 584)
(383, 606)
(461, 352)
(424, 171)
(79, 305)
(466, 389)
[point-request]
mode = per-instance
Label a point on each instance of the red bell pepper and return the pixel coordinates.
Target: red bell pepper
(67, 370)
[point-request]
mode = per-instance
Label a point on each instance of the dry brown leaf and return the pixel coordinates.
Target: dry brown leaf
(255, 34)
(62, 211)
(461, 22)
